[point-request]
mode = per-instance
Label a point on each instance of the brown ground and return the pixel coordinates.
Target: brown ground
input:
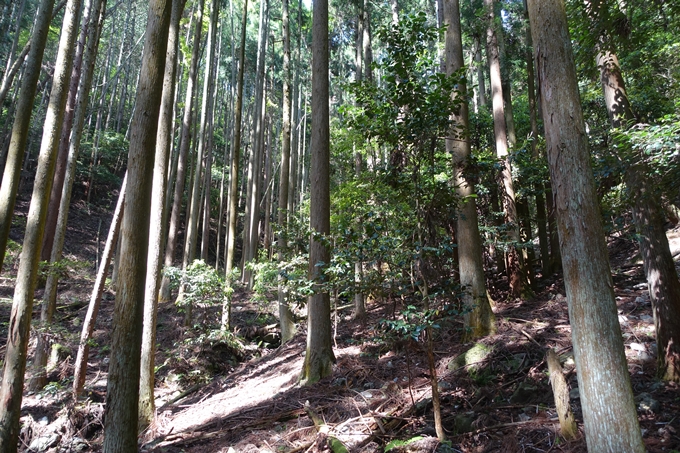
(379, 390)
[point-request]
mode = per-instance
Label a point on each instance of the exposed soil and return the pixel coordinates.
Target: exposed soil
(214, 396)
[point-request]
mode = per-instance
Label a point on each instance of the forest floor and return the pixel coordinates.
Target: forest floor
(219, 396)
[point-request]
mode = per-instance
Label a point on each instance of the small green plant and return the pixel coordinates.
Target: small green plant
(62, 268)
(401, 443)
(12, 252)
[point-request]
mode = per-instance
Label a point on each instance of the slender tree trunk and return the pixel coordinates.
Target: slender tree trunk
(366, 42)
(609, 413)
(523, 216)
(22, 305)
(15, 155)
(480, 320)
(252, 213)
(80, 366)
(233, 174)
(184, 146)
(122, 395)
(194, 205)
(285, 314)
(394, 6)
(662, 277)
(541, 217)
(15, 43)
(319, 357)
(62, 156)
(52, 247)
(147, 408)
(514, 266)
(481, 84)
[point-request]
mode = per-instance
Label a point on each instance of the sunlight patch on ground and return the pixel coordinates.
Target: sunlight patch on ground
(242, 391)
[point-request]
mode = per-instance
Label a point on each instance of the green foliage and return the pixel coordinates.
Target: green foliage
(413, 321)
(290, 274)
(201, 282)
(12, 251)
(401, 443)
(62, 268)
(410, 110)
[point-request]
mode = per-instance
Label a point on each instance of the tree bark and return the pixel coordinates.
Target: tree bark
(480, 319)
(80, 365)
(15, 155)
(609, 413)
(513, 265)
(122, 393)
(94, 33)
(539, 189)
(184, 146)
(662, 278)
(319, 356)
(252, 212)
(194, 202)
(285, 314)
(147, 408)
(234, 172)
(22, 304)
(53, 240)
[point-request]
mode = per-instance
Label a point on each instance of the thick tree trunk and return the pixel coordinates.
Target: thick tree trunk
(147, 408)
(480, 319)
(319, 356)
(15, 155)
(609, 413)
(22, 305)
(122, 393)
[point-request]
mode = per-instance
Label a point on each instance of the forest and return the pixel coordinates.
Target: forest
(339, 226)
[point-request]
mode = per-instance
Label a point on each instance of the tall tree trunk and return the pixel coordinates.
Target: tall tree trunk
(234, 172)
(122, 393)
(285, 314)
(15, 155)
(539, 189)
(184, 146)
(15, 43)
(319, 357)
(80, 365)
(514, 266)
(52, 246)
(22, 305)
(147, 408)
(366, 42)
(662, 277)
(252, 213)
(194, 205)
(527, 255)
(481, 84)
(609, 413)
(480, 320)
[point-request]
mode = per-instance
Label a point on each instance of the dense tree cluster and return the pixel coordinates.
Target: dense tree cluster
(355, 151)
